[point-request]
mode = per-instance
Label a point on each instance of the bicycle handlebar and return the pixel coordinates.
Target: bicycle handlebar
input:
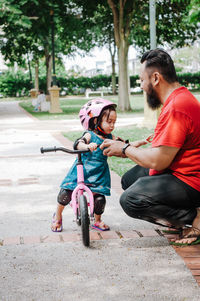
(63, 149)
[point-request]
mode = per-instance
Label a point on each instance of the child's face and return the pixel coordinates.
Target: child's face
(108, 123)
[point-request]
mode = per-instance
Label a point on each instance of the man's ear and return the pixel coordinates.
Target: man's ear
(155, 78)
(95, 120)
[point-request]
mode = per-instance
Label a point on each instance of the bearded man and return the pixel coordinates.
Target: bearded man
(164, 186)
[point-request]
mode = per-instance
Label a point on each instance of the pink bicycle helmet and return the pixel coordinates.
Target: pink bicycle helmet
(92, 109)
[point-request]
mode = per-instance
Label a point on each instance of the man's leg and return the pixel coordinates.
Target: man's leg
(161, 197)
(132, 175)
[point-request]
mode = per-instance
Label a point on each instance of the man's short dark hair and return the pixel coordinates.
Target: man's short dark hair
(162, 61)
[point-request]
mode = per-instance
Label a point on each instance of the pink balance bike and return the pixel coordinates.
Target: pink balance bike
(82, 196)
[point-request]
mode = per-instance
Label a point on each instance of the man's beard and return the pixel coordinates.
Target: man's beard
(152, 98)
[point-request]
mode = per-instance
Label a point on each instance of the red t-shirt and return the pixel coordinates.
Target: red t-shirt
(179, 126)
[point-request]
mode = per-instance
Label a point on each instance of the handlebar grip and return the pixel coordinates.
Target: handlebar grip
(47, 149)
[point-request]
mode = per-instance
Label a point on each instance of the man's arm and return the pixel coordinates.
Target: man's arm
(157, 158)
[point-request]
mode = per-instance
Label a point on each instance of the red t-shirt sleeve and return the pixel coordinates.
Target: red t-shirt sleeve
(171, 130)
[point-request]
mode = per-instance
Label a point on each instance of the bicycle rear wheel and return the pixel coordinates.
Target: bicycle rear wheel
(85, 221)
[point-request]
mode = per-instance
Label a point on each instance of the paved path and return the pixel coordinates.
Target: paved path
(133, 261)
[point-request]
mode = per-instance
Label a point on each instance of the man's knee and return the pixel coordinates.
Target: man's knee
(124, 182)
(134, 204)
(125, 203)
(133, 175)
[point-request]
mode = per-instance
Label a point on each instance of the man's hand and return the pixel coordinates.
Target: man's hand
(112, 148)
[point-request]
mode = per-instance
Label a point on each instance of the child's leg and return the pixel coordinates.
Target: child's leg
(63, 199)
(99, 206)
(59, 210)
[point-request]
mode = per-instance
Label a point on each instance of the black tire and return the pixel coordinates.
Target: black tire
(85, 221)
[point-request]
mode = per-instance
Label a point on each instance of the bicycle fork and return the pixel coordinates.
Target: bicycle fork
(80, 189)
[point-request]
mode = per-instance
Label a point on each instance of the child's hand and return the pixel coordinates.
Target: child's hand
(92, 146)
(120, 139)
(150, 138)
(138, 143)
(142, 142)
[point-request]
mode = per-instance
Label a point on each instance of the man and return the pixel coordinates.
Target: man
(164, 186)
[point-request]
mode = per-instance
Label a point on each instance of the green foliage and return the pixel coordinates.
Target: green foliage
(191, 80)
(14, 84)
(194, 13)
(75, 85)
(133, 81)
(133, 133)
(172, 26)
(81, 24)
(27, 26)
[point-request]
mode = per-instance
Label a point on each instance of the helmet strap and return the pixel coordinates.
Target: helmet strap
(98, 130)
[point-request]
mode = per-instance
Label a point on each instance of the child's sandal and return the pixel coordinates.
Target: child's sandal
(100, 226)
(56, 225)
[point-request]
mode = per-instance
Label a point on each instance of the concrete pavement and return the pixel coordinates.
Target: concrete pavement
(130, 262)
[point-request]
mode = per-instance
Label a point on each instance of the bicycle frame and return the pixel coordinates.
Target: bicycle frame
(80, 189)
(81, 186)
(79, 201)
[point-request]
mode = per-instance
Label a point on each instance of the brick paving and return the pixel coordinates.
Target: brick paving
(190, 256)
(71, 236)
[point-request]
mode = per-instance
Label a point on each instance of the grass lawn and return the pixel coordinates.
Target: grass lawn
(71, 107)
(119, 165)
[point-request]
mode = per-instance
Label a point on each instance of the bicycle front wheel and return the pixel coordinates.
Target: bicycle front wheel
(85, 221)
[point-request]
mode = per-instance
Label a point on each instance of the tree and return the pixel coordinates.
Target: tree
(104, 36)
(194, 12)
(131, 26)
(16, 44)
(75, 28)
(34, 34)
(122, 15)
(172, 28)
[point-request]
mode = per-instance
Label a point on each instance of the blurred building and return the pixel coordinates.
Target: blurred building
(187, 59)
(104, 67)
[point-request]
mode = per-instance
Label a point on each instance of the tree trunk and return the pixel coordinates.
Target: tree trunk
(37, 75)
(49, 78)
(124, 101)
(122, 27)
(48, 62)
(114, 90)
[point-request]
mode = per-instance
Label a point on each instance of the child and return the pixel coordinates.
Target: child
(39, 100)
(98, 117)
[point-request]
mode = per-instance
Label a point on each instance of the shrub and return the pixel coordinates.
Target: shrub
(18, 83)
(190, 80)
(14, 84)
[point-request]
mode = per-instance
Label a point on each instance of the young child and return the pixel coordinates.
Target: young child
(98, 117)
(39, 100)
